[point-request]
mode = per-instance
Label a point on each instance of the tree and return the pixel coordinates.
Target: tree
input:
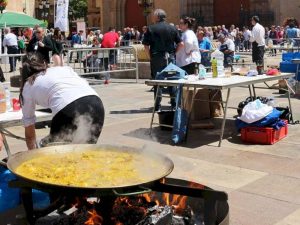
(3, 4)
(79, 8)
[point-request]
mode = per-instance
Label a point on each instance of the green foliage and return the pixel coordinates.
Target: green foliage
(79, 8)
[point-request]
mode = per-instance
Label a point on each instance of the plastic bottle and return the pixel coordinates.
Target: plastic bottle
(219, 56)
(202, 72)
(7, 96)
(214, 67)
(2, 99)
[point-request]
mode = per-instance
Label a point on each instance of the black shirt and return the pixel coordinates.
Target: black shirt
(162, 38)
(44, 51)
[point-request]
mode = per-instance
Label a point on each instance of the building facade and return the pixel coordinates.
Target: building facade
(123, 13)
(26, 6)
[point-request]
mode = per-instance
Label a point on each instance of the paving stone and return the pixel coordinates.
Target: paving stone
(292, 219)
(212, 173)
(277, 187)
(250, 209)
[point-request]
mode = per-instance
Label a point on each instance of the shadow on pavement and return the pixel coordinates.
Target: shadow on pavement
(133, 111)
(196, 137)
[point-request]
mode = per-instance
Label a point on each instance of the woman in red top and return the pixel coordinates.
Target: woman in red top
(111, 40)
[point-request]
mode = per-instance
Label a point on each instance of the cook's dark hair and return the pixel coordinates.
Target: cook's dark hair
(189, 21)
(32, 65)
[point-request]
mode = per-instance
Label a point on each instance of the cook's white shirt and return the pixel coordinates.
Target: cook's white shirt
(54, 89)
(190, 52)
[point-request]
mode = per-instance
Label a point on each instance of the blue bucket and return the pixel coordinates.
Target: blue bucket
(9, 197)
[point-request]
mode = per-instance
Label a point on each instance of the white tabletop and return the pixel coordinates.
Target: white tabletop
(11, 118)
(221, 83)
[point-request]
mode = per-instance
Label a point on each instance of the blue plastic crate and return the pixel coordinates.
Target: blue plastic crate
(289, 67)
(290, 55)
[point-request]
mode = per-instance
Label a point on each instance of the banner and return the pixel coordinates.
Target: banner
(62, 11)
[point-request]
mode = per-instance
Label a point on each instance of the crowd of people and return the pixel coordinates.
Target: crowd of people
(188, 47)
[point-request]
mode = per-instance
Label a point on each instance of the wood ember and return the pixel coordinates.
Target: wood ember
(158, 216)
(136, 210)
(128, 211)
(76, 218)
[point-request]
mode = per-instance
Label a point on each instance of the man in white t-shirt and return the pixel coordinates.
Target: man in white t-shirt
(227, 47)
(258, 44)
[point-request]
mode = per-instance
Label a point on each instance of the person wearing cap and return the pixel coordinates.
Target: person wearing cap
(258, 44)
(161, 42)
(227, 47)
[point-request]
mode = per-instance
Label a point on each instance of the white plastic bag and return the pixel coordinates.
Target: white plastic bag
(255, 111)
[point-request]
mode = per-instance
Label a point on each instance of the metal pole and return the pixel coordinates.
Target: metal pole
(153, 112)
(224, 118)
(137, 67)
(289, 99)
(54, 12)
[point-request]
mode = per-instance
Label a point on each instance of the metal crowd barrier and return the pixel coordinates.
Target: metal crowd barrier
(129, 42)
(94, 63)
(16, 59)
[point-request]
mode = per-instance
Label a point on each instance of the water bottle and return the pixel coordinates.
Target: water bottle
(214, 67)
(7, 96)
(219, 56)
(202, 72)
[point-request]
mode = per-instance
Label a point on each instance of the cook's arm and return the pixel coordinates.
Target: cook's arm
(30, 137)
(29, 118)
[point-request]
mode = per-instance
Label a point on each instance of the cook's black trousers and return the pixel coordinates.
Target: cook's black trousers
(79, 122)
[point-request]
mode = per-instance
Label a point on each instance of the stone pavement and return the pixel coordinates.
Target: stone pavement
(263, 182)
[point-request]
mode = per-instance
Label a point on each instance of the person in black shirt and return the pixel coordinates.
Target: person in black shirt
(57, 45)
(41, 44)
(161, 42)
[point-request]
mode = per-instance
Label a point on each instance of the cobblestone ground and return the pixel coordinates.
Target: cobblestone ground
(262, 181)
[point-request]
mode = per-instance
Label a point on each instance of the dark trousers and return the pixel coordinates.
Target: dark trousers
(191, 68)
(247, 45)
(12, 60)
(80, 122)
(112, 57)
(258, 56)
(158, 63)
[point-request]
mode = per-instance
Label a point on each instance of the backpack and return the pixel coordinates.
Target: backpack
(21, 44)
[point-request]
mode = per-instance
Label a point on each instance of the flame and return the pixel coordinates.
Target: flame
(94, 219)
(177, 201)
(147, 197)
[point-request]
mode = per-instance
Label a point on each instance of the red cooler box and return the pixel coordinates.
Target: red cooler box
(263, 135)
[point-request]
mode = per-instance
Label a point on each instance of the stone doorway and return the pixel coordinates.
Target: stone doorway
(231, 12)
(134, 15)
